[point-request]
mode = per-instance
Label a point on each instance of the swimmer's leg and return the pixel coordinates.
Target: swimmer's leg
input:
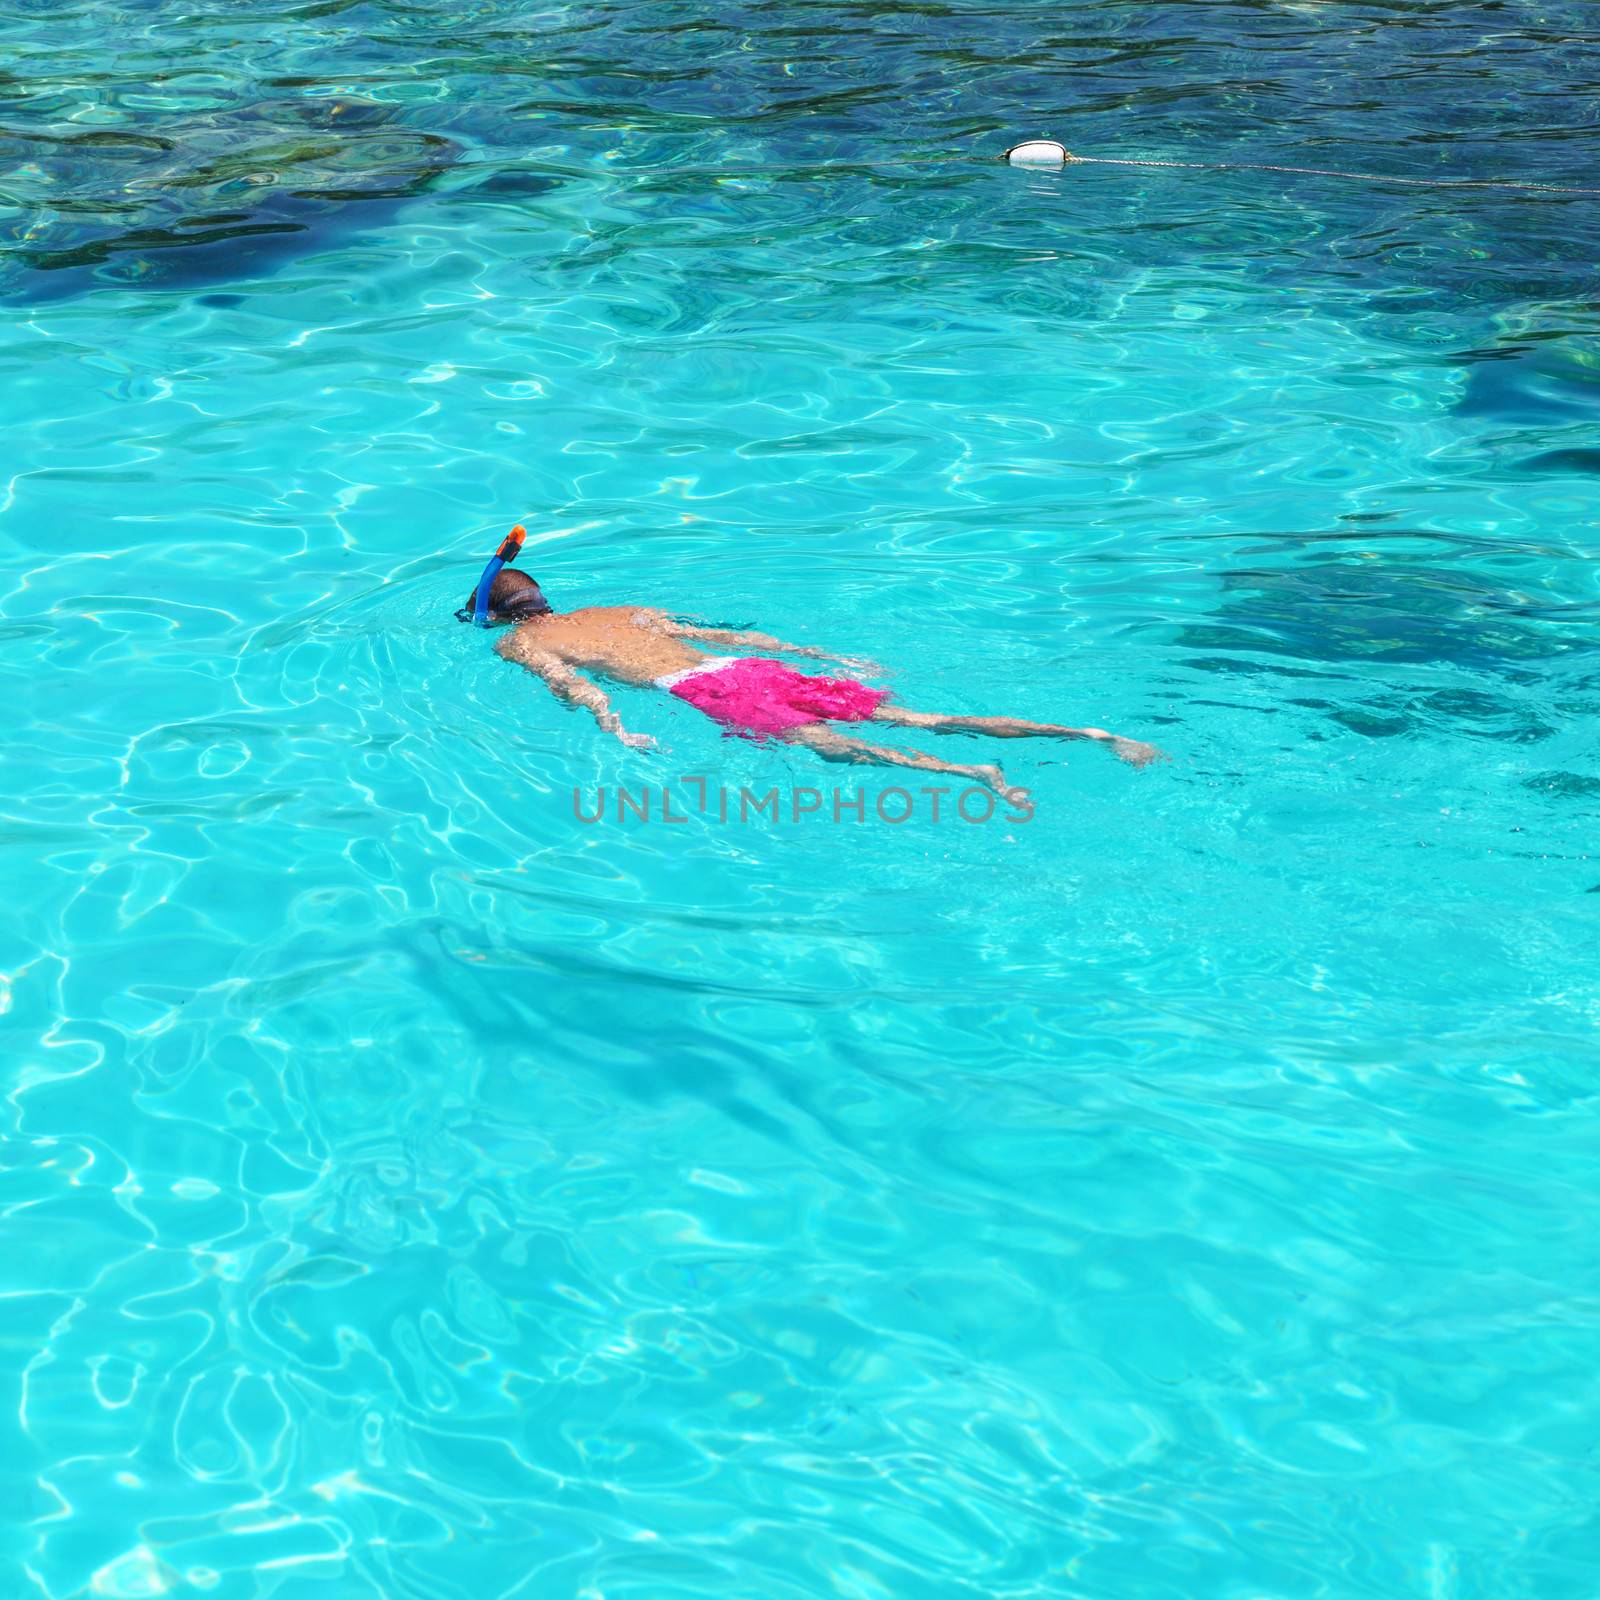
(832, 745)
(1130, 750)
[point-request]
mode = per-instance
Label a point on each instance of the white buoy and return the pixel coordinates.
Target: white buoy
(1038, 153)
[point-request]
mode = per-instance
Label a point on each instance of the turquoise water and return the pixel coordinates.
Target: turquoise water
(412, 1190)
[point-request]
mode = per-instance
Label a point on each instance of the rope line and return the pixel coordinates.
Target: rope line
(1335, 172)
(877, 163)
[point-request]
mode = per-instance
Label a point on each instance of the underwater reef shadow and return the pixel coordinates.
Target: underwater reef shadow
(233, 198)
(1538, 383)
(1383, 626)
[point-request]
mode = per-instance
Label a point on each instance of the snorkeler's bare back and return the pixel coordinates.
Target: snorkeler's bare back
(628, 643)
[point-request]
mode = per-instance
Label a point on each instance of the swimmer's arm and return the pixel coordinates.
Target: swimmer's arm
(566, 685)
(759, 641)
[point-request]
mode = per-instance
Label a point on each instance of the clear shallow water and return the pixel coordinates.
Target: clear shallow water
(412, 1191)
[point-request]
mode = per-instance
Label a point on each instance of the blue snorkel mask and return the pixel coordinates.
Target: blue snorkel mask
(477, 610)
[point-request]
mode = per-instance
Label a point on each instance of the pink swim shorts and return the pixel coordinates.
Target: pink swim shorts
(755, 696)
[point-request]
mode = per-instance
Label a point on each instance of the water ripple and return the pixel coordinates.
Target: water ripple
(425, 1193)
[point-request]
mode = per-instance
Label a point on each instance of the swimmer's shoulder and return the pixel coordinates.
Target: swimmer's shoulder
(523, 643)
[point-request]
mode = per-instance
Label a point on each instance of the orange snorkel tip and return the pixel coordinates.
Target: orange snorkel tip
(509, 546)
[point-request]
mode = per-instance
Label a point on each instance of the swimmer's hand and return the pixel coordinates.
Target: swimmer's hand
(1129, 750)
(748, 639)
(856, 664)
(1136, 754)
(612, 723)
(859, 665)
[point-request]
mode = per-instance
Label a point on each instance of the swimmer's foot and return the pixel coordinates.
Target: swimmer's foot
(1135, 753)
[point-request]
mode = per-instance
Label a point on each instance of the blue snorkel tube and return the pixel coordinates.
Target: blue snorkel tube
(479, 615)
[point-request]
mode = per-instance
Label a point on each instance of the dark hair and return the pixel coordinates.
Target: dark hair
(513, 597)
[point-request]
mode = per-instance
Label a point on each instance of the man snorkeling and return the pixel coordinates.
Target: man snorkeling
(753, 696)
